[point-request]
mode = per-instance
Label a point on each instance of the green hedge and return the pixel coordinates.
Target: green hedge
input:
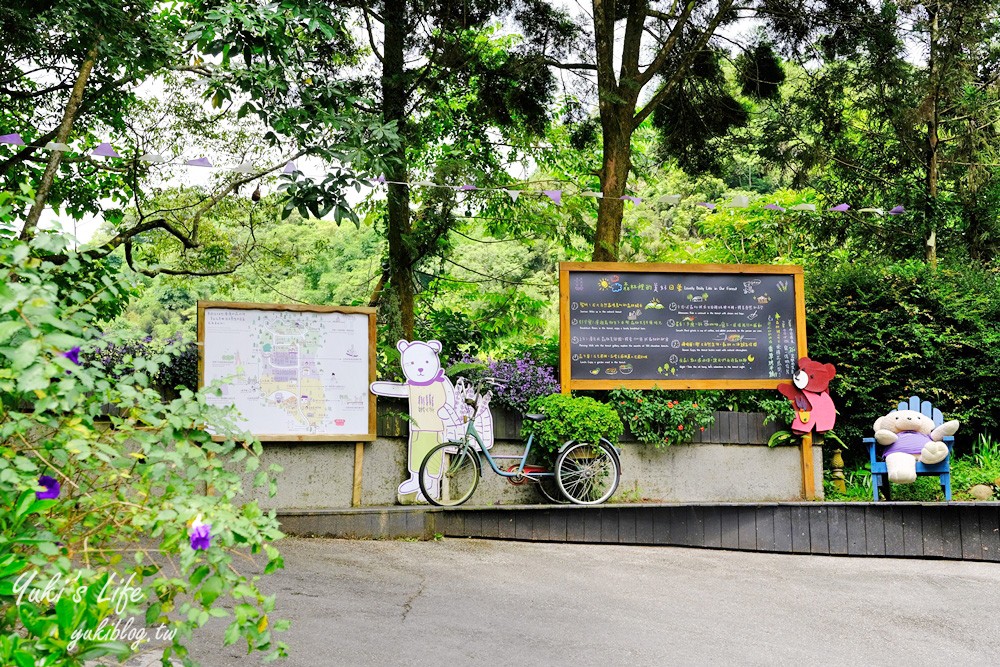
(906, 329)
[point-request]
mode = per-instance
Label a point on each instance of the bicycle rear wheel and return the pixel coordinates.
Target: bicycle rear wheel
(449, 474)
(588, 474)
(549, 488)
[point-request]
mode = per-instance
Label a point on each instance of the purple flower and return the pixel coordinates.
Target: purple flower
(73, 355)
(201, 534)
(51, 486)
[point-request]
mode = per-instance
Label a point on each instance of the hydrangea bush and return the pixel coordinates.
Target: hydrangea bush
(117, 533)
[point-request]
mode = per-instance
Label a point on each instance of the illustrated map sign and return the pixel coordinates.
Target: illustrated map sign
(293, 372)
(680, 326)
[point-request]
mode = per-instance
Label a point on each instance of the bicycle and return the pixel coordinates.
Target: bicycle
(584, 473)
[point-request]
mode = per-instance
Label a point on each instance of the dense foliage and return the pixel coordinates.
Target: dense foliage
(905, 329)
(144, 498)
(578, 418)
(656, 418)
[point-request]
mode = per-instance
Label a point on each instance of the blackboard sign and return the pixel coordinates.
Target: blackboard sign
(691, 326)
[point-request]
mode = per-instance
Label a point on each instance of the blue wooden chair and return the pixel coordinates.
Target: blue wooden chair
(880, 476)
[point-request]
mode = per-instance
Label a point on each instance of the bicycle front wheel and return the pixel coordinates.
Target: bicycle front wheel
(449, 474)
(588, 474)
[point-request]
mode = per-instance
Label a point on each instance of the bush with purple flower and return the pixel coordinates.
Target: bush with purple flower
(132, 478)
(521, 379)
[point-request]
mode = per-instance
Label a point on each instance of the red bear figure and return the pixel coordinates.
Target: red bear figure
(808, 393)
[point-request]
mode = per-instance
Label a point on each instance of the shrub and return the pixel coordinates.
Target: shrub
(906, 329)
(655, 418)
(577, 418)
(522, 380)
(89, 503)
(117, 357)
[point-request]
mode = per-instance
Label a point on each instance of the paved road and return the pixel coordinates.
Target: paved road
(476, 602)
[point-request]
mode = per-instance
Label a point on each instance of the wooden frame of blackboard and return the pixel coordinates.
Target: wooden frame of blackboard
(263, 437)
(569, 383)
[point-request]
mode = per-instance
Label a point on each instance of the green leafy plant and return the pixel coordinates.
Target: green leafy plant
(657, 419)
(579, 418)
(91, 502)
(787, 437)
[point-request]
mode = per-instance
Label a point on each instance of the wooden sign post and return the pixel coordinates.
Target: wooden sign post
(682, 326)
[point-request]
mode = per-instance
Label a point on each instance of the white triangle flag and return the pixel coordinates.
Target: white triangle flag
(57, 146)
(514, 194)
(242, 168)
(152, 158)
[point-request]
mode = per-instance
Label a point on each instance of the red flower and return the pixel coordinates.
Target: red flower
(702, 428)
(680, 427)
(694, 405)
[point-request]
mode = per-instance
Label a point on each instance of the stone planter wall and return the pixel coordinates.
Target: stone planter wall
(729, 462)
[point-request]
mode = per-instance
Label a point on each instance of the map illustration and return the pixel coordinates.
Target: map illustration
(290, 373)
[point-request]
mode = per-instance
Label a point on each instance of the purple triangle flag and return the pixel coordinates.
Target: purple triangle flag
(104, 149)
(773, 207)
(463, 188)
(380, 179)
(634, 200)
(554, 195)
(897, 210)
(199, 162)
(14, 138)
(707, 204)
(840, 208)
(289, 168)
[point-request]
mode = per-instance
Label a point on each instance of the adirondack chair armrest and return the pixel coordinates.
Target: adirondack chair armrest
(870, 443)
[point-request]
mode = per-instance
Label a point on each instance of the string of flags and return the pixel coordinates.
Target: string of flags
(106, 150)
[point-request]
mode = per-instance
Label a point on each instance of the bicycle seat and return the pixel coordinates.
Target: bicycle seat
(536, 418)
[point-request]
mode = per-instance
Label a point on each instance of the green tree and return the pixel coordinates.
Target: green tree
(448, 76)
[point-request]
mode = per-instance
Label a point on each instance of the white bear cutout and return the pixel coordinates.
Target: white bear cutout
(437, 413)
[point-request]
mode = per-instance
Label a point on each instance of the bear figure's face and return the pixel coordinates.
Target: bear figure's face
(813, 376)
(899, 421)
(419, 360)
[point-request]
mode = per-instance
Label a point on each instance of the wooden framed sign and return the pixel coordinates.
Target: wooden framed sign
(679, 326)
(295, 373)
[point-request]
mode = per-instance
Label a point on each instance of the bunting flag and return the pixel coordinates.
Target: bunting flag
(105, 150)
(741, 201)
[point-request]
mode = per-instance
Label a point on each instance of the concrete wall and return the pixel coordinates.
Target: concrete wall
(320, 475)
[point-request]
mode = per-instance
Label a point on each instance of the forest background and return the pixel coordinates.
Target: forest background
(878, 105)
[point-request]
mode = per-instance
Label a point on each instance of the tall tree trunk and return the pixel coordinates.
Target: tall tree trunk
(398, 199)
(69, 115)
(930, 206)
(615, 166)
